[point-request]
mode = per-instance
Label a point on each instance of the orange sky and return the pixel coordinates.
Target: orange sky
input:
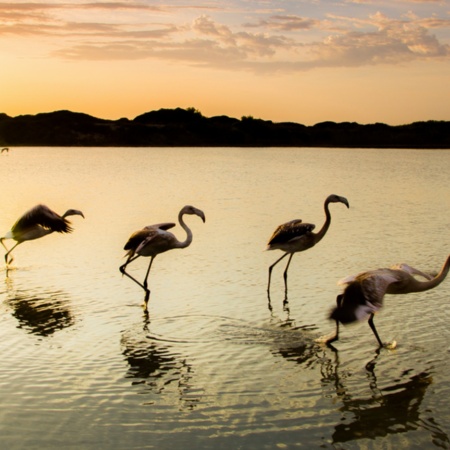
(304, 61)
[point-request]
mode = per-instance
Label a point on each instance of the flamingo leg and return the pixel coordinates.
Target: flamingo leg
(148, 272)
(271, 268)
(124, 272)
(123, 267)
(285, 274)
(339, 299)
(8, 252)
(1, 241)
(372, 326)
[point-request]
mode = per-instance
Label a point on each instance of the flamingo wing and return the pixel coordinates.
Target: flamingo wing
(376, 283)
(43, 216)
(141, 238)
(290, 230)
(162, 226)
(136, 238)
(363, 294)
(412, 270)
(156, 241)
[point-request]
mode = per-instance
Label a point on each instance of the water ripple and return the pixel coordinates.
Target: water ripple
(42, 313)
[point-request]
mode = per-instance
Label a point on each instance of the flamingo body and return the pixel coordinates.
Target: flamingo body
(152, 240)
(364, 293)
(291, 237)
(295, 236)
(38, 222)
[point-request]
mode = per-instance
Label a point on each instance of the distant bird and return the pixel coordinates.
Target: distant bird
(364, 293)
(296, 236)
(36, 223)
(5, 149)
(155, 239)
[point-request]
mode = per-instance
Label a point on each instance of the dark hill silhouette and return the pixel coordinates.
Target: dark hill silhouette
(188, 127)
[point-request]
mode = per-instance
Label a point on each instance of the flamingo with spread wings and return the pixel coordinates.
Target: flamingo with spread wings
(36, 223)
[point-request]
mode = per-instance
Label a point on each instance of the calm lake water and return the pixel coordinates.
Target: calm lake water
(212, 366)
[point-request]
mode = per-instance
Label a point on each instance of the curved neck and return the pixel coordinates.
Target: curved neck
(188, 240)
(321, 233)
(420, 286)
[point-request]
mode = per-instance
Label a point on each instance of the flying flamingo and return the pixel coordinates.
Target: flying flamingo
(364, 293)
(36, 223)
(155, 239)
(296, 236)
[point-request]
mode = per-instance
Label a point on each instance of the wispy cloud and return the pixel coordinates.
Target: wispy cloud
(267, 41)
(286, 23)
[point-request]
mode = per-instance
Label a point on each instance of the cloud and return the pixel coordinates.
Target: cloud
(389, 2)
(267, 42)
(392, 41)
(217, 45)
(286, 23)
(249, 43)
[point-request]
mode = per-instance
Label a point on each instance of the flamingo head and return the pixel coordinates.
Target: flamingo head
(333, 198)
(188, 209)
(73, 212)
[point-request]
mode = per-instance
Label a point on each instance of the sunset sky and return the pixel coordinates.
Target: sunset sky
(305, 61)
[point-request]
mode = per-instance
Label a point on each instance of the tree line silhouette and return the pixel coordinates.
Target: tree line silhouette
(188, 127)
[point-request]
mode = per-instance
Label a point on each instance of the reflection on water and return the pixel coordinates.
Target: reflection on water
(301, 353)
(296, 343)
(395, 408)
(41, 313)
(390, 410)
(220, 365)
(156, 368)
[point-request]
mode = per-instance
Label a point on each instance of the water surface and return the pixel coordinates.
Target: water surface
(212, 366)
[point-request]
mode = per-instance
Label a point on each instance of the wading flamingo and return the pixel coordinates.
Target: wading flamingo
(296, 236)
(155, 239)
(364, 293)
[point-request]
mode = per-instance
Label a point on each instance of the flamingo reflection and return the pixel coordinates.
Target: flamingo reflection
(390, 410)
(158, 368)
(42, 313)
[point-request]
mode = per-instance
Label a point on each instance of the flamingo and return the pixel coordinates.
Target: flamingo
(155, 239)
(5, 149)
(364, 293)
(296, 236)
(36, 223)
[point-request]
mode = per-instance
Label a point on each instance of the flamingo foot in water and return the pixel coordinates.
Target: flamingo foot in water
(390, 345)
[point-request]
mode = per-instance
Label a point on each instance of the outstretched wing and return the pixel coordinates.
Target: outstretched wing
(290, 230)
(43, 216)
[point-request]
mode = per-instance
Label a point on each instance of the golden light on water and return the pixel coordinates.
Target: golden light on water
(211, 363)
